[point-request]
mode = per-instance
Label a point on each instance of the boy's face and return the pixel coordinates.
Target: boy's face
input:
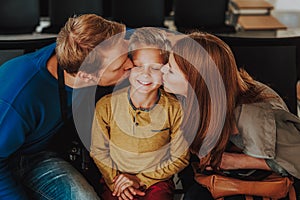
(146, 76)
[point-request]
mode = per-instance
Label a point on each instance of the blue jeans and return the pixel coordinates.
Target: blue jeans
(46, 176)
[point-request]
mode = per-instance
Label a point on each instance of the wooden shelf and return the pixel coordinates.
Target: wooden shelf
(264, 22)
(251, 4)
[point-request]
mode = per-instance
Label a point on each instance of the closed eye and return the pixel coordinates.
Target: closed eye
(155, 67)
(120, 66)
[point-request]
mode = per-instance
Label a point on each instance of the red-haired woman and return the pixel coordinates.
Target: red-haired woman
(227, 105)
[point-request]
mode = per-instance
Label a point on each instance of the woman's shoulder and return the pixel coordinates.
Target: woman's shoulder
(274, 101)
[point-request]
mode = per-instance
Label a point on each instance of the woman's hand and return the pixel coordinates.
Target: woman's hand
(124, 181)
(231, 161)
(242, 161)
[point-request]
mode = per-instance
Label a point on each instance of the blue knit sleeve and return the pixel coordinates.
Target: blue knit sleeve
(12, 135)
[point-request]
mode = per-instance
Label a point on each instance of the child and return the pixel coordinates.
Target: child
(137, 142)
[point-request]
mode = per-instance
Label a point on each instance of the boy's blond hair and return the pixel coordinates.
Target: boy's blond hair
(150, 37)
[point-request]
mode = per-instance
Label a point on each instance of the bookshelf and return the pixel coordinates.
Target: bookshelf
(248, 7)
(252, 15)
(256, 23)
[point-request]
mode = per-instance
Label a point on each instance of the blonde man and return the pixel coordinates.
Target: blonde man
(30, 108)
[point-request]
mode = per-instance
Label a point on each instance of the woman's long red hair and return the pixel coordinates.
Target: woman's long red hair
(239, 87)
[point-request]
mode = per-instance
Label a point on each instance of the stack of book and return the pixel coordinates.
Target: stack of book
(257, 23)
(252, 15)
(249, 7)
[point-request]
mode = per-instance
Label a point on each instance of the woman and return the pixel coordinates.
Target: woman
(232, 108)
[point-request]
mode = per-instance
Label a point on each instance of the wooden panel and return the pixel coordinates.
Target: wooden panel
(251, 4)
(260, 23)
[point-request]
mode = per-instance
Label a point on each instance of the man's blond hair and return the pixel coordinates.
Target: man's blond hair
(80, 36)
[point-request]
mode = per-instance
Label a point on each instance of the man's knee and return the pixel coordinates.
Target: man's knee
(57, 179)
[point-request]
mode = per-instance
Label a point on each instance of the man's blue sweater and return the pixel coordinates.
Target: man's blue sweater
(29, 112)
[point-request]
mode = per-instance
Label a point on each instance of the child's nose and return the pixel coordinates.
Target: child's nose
(147, 70)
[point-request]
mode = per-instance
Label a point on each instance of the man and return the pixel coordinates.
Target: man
(30, 108)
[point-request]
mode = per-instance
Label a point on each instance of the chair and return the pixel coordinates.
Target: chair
(204, 15)
(139, 13)
(169, 5)
(60, 11)
(19, 45)
(273, 61)
(44, 8)
(107, 9)
(19, 16)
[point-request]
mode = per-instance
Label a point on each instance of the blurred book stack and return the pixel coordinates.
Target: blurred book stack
(252, 15)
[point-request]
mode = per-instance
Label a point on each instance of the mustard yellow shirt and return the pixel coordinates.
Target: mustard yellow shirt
(147, 143)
